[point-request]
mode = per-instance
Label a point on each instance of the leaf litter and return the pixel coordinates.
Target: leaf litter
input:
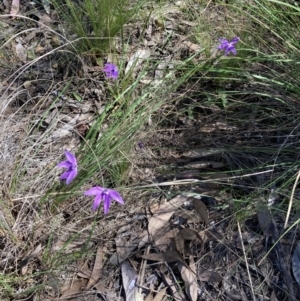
(177, 242)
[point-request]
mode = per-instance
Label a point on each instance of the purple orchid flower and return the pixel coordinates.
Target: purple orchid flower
(111, 71)
(71, 165)
(104, 194)
(228, 46)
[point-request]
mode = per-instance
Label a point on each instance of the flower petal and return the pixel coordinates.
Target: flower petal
(235, 40)
(94, 191)
(71, 176)
(116, 196)
(233, 51)
(64, 164)
(71, 158)
(107, 202)
(111, 71)
(97, 201)
(64, 175)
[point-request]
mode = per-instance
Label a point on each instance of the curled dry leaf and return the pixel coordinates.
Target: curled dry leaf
(190, 279)
(159, 225)
(296, 264)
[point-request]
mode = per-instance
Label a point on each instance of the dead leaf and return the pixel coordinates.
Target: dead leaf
(21, 52)
(199, 153)
(188, 174)
(204, 164)
(159, 223)
(273, 296)
(191, 45)
(213, 235)
(189, 215)
(264, 218)
(129, 278)
(84, 273)
(161, 69)
(45, 19)
(190, 279)
(74, 288)
(209, 276)
(96, 270)
(101, 289)
(24, 263)
(172, 287)
(201, 209)
(161, 295)
(149, 297)
(136, 59)
(125, 247)
(169, 256)
(15, 7)
(64, 131)
(182, 236)
(46, 4)
(217, 126)
(296, 264)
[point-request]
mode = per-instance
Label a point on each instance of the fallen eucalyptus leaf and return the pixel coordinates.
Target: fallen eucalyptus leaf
(190, 279)
(136, 59)
(96, 274)
(129, 278)
(201, 209)
(15, 7)
(159, 224)
(21, 52)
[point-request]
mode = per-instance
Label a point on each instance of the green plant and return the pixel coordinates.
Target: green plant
(97, 22)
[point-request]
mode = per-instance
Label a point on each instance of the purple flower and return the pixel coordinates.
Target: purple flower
(71, 165)
(104, 194)
(141, 144)
(228, 46)
(111, 71)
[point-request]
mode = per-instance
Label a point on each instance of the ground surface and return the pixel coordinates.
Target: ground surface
(208, 225)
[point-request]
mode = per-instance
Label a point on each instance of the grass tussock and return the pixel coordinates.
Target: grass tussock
(183, 119)
(97, 23)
